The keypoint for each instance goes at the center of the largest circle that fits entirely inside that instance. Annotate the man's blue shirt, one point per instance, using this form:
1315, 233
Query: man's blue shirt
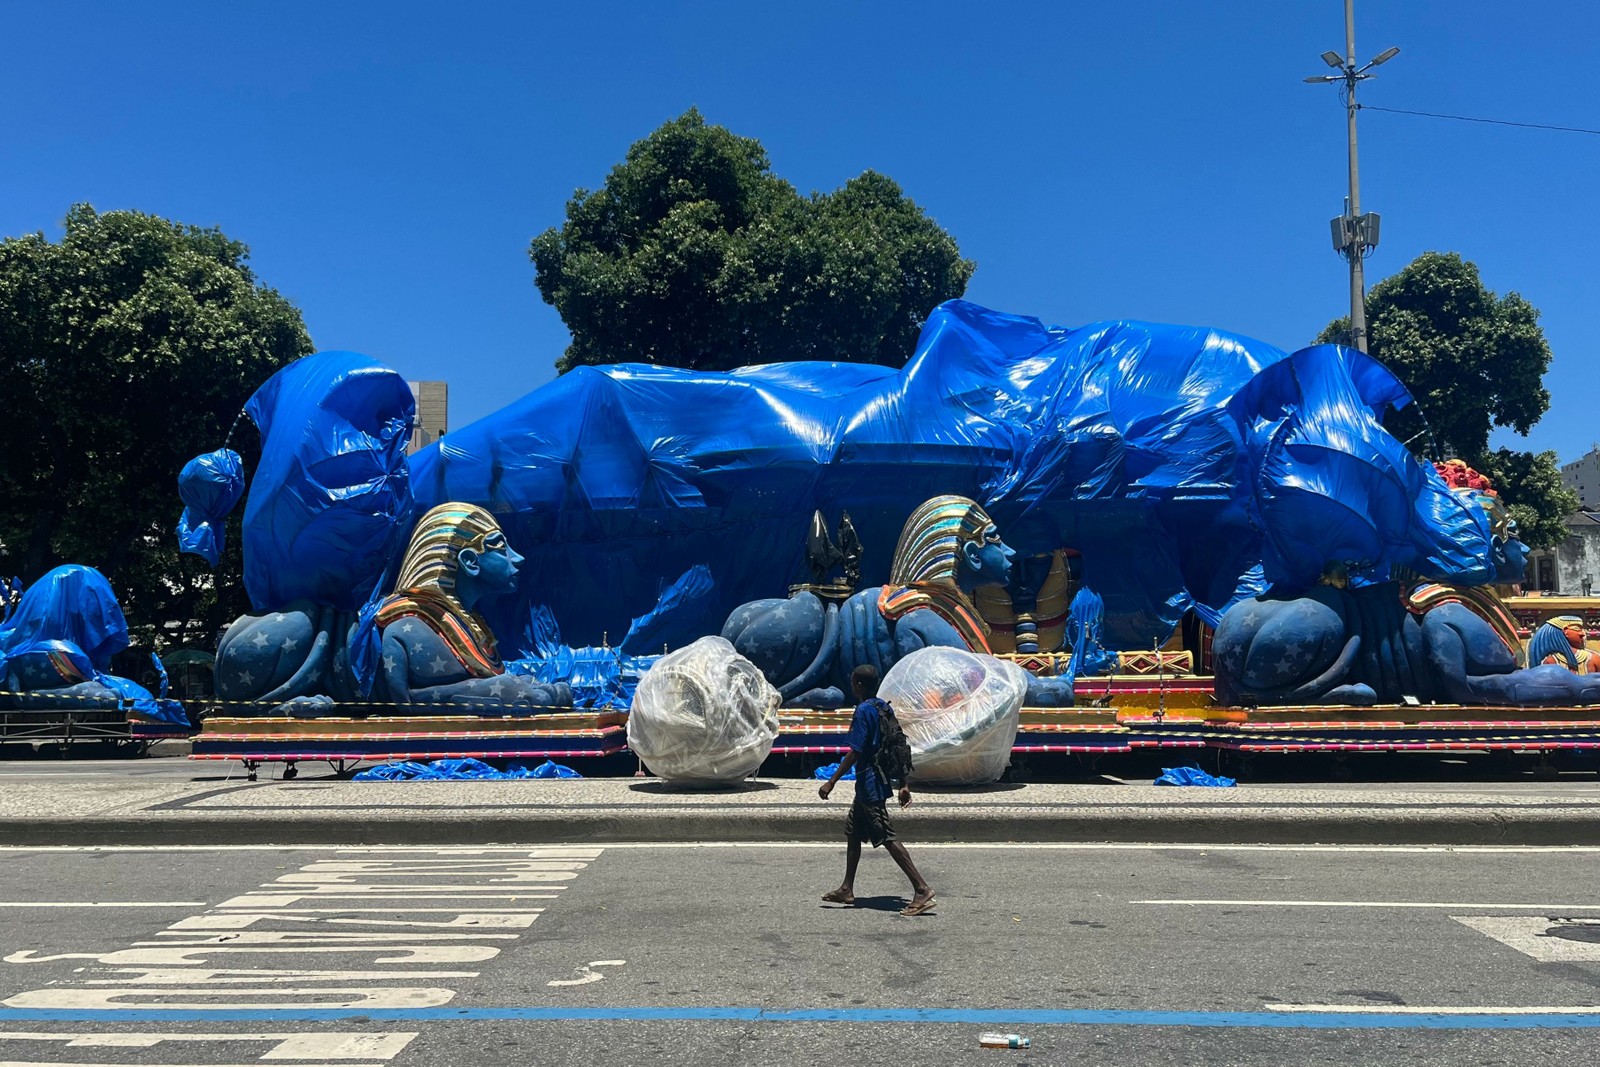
864, 739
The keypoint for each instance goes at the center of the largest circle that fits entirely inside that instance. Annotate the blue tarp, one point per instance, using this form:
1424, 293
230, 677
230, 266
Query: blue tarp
330, 505
1139, 445
1193, 776
210, 486
72, 613
1331, 484
458, 770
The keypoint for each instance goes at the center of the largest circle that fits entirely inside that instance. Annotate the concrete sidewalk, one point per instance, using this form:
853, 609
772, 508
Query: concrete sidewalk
111, 804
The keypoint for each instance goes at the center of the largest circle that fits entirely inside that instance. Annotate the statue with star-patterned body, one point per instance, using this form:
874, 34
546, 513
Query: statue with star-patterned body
422, 645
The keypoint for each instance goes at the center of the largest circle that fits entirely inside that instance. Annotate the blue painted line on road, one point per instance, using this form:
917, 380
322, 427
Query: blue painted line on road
1274, 1020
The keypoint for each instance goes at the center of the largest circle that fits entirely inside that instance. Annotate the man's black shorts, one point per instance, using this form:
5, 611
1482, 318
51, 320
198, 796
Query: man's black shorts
869, 821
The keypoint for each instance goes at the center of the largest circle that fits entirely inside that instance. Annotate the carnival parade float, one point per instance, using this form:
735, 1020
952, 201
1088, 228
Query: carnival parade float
1138, 535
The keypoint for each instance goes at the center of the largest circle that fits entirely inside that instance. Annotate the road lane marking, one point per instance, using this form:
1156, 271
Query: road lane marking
981, 846
1407, 1009
363, 998
587, 974
475, 901
1546, 938
142, 976
252, 901
239, 920
60, 1063
102, 903
1369, 904
992, 1017
326, 1045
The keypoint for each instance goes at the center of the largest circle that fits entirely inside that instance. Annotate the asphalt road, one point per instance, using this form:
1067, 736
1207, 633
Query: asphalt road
622, 955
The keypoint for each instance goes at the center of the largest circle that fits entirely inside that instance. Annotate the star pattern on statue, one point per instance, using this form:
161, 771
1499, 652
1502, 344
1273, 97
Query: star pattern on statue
280, 617
497, 688
261, 639
438, 665
388, 663
1287, 667
246, 678
289, 644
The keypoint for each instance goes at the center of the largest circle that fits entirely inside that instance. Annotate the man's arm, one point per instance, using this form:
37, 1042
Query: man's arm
838, 772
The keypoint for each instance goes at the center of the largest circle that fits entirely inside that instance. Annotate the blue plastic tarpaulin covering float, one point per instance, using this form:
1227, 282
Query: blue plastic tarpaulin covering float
1328, 483
210, 486
71, 614
1189, 467
330, 505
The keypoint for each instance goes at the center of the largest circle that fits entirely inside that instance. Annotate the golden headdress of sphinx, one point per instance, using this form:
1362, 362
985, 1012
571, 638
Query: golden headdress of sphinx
426, 588
923, 574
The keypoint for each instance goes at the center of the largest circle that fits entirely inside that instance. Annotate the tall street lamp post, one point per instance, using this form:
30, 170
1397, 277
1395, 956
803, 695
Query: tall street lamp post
1354, 235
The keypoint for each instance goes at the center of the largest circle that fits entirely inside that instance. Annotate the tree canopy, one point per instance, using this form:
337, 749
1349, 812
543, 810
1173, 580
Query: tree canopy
694, 254
1473, 361
125, 350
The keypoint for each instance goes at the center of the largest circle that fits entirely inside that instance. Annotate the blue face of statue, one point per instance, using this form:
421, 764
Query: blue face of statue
494, 570
1511, 558
498, 564
987, 562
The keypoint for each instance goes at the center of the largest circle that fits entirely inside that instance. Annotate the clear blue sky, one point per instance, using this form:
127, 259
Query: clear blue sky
388, 163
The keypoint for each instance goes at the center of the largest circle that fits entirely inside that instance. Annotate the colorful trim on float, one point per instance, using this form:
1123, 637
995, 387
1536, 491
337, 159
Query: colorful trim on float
1139, 713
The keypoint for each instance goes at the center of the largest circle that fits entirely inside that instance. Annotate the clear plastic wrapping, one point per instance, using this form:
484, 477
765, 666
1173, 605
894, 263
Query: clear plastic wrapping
703, 714
960, 712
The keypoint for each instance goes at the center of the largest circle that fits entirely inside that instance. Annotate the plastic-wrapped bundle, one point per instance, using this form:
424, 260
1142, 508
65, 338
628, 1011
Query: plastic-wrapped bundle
960, 712
703, 714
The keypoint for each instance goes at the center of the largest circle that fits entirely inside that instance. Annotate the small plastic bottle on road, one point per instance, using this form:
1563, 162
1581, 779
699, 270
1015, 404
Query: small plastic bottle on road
1003, 1041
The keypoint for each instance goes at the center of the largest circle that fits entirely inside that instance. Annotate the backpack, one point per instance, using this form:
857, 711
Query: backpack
893, 758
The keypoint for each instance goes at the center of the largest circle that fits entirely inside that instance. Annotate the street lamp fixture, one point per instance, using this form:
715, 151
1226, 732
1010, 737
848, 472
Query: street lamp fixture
1381, 58
1354, 235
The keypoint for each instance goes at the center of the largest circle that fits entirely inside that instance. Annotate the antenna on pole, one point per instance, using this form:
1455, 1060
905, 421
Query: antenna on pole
1355, 235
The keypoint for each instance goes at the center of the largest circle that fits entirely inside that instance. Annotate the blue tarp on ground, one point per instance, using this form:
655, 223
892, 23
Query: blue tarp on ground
460, 770
1193, 776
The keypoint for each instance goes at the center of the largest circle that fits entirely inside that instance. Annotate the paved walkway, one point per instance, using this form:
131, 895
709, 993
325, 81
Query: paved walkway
177, 802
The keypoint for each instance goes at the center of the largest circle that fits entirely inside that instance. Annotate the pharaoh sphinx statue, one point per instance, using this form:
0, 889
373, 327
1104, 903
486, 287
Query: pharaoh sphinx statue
1382, 643
423, 646
807, 645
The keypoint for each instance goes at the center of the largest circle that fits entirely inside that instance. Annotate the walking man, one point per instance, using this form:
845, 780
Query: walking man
869, 815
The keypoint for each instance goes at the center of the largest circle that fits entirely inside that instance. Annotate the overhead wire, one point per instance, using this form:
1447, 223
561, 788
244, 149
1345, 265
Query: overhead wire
1471, 118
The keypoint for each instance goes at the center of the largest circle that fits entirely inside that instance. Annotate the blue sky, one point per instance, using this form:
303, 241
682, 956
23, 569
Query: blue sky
389, 163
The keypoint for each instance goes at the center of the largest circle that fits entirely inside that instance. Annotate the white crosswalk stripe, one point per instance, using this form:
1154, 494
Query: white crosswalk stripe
360, 929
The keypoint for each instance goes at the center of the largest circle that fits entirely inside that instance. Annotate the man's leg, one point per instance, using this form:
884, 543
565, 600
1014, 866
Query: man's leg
846, 893
921, 894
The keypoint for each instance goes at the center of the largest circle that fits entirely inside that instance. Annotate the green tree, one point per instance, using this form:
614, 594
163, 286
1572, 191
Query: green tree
125, 350
1530, 484
694, 254
1473, 361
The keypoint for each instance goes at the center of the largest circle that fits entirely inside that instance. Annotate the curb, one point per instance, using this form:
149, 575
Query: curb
1374, 826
